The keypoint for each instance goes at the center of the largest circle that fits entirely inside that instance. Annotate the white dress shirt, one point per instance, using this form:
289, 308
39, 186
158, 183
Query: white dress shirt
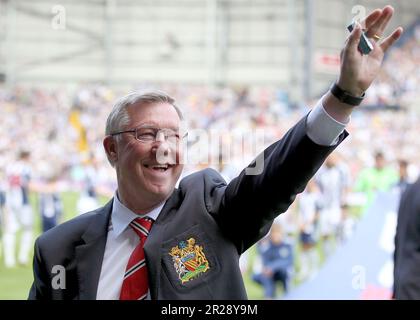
120, 243
122, 240
322, 128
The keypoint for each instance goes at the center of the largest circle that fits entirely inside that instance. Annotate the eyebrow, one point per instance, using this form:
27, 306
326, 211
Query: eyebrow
154, 125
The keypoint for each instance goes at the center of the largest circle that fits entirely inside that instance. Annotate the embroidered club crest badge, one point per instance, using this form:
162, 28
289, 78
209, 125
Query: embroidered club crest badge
189, 260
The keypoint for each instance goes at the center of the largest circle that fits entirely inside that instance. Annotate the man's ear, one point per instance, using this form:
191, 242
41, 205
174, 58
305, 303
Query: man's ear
110, 146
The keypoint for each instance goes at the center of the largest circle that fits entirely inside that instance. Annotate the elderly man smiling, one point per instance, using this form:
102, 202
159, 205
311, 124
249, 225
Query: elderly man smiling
155, 241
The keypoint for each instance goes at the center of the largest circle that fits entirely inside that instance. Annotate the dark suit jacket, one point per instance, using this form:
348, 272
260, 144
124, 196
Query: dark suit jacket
224, 220
407, 245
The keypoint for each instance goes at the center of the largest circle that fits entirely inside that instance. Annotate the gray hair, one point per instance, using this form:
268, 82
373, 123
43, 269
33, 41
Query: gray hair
118, 118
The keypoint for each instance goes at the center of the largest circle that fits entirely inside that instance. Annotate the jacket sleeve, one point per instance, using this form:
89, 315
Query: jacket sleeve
39, 289
249, 204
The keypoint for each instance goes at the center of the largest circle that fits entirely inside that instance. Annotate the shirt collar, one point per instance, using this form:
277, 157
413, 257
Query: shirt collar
121, 216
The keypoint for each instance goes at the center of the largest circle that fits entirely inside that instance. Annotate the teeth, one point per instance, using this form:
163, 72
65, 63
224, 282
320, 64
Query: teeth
160, 167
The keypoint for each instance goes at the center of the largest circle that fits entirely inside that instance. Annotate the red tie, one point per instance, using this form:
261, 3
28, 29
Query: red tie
135, 285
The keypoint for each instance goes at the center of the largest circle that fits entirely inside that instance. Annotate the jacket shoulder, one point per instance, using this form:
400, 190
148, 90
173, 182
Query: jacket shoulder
69, 232
204, 178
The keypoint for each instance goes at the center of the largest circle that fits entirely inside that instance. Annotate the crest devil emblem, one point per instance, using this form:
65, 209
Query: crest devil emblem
189, 260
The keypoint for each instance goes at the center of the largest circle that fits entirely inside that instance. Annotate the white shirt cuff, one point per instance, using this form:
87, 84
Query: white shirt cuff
322, 128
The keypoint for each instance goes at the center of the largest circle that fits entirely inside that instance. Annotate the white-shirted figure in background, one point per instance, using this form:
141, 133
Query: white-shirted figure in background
88, 199
18, 212
308, 208
330, 182
3, 188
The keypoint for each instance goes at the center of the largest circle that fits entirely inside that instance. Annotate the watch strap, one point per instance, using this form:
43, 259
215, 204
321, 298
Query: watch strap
345, 96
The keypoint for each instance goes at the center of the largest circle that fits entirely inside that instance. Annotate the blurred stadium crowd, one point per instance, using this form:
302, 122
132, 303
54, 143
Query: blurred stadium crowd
51, 142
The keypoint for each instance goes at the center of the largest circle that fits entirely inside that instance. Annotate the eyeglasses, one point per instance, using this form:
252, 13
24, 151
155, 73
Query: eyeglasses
150, 134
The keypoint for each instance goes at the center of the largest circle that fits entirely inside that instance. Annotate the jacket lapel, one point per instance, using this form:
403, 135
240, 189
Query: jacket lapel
89, 255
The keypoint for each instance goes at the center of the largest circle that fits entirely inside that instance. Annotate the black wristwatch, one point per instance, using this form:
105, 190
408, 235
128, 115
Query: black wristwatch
345, 96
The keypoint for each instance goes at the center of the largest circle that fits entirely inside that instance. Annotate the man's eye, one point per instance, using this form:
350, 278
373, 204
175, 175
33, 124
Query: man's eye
172, 135
147, 135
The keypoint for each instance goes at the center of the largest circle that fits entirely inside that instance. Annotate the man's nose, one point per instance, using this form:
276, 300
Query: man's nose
160, 141
160, 136
161, 150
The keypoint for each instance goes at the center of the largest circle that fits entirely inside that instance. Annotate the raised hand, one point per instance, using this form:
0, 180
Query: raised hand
357, 70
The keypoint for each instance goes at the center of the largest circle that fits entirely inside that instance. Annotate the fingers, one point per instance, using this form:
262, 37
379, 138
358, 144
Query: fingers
371, 19
378, 26
354, 38
389, 41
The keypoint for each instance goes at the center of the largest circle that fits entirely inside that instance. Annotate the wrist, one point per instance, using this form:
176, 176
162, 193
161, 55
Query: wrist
351, 89
338, 110
345, 96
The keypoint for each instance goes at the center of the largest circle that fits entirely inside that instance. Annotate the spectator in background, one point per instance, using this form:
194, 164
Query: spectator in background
276, 262
308, 212
403, 177
88, 198
3, 188
19, 215
346, 225
378, 178
50, 204
330, 182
